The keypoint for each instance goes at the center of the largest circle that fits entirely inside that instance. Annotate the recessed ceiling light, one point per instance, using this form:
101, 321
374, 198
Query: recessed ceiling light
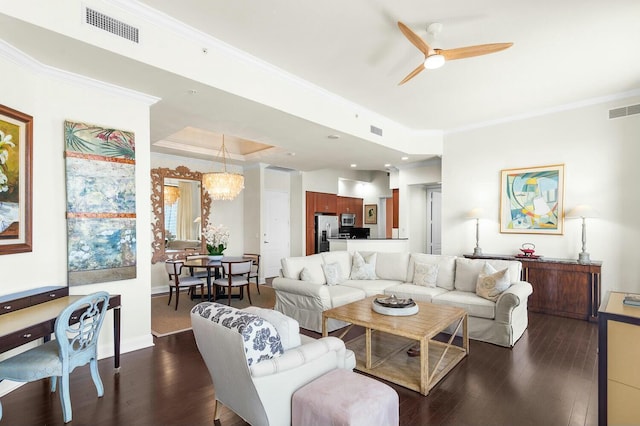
387, 165
334, 136
404, 158
291, 154
354, 165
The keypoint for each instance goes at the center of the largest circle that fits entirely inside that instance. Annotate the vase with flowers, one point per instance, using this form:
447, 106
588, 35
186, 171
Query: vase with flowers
217, 238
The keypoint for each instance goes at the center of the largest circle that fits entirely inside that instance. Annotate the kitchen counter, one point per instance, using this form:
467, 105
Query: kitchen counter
392, 245
381, 239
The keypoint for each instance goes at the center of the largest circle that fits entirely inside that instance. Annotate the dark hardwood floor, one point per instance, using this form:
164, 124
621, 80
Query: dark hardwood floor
548, 378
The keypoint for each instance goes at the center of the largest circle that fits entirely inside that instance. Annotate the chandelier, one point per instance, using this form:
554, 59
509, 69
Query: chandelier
223, 185
171, 194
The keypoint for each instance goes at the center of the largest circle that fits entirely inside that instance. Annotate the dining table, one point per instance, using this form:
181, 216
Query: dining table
213, 268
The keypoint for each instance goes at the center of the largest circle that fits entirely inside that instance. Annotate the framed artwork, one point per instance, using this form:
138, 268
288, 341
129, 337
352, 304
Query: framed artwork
370, 214
16, 145
101, 204
531, 200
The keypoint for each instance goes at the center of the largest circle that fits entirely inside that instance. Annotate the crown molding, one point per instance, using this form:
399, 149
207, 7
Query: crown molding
20, 58
546, 111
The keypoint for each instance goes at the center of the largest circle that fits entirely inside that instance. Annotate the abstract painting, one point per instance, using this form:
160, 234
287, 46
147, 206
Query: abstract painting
101, 225
16, 145
531, 200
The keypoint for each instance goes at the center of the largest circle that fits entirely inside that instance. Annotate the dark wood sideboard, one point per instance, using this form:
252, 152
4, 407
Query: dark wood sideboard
562, 287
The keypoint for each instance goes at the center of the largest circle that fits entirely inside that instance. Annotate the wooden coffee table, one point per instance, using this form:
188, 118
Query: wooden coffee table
381, 352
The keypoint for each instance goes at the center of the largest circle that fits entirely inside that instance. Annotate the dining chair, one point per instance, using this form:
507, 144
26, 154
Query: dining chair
255, 268
174, 269
76, 337
236, 274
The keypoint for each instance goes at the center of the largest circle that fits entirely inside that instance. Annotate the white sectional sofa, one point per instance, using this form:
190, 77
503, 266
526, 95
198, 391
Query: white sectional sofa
501, 322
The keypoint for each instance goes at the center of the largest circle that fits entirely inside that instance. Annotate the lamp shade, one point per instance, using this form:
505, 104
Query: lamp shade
475, 213
171, 194
582, 211
223, 185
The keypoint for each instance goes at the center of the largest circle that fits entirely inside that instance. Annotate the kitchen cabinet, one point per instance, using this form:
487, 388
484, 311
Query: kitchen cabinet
351, 205
618, 353
310, 206
342, 205
562, 287
396, 208
316, 202
326, 203
321, 202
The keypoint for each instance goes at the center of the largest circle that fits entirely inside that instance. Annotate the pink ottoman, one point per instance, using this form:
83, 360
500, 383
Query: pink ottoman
344, 398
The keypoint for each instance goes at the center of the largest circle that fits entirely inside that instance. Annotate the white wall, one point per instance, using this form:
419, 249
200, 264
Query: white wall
411, 222
417, 199
277, 180
600, 157
297, 202
253, 212
51, 100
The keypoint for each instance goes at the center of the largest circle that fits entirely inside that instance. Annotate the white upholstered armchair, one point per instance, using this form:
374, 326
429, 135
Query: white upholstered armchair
257, 359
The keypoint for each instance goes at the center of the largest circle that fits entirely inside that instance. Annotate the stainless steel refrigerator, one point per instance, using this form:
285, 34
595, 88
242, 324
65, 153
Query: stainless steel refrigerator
326, 227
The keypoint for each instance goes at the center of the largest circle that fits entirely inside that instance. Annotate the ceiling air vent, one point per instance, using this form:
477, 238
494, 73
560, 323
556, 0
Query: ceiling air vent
633, 109
112, 25
280, 169
624, 111
376, 130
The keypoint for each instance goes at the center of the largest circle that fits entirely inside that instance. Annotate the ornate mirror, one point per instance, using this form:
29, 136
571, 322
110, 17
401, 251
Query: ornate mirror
181, 208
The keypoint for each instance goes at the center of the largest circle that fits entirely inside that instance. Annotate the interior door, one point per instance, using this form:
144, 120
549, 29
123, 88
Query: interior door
275, 242
434, 219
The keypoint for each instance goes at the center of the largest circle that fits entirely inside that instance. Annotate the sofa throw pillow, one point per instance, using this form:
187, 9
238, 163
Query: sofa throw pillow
467, 271
333, 273
490, 286
307, 275
363, 269
425, 274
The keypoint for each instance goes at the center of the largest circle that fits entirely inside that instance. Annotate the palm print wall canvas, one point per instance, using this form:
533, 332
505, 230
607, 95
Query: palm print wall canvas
101, 208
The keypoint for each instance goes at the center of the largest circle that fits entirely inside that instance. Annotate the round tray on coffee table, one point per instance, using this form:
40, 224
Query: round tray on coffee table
394, 306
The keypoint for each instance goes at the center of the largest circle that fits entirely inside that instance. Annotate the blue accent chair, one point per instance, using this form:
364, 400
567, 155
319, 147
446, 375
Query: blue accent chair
76, 337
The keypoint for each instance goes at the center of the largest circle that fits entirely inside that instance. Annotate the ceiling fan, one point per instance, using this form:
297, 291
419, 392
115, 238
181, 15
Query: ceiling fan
435, 58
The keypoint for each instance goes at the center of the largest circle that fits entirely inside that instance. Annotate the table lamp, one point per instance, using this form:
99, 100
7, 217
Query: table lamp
476, 214
583, 211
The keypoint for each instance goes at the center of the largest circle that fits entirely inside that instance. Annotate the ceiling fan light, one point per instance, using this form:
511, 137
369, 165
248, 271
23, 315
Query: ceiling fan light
434, 61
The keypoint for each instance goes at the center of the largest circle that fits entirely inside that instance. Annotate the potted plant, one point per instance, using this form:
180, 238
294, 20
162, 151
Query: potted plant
217, 238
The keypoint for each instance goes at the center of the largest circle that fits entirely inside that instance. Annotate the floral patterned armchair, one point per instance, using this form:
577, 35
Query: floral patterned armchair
256, 365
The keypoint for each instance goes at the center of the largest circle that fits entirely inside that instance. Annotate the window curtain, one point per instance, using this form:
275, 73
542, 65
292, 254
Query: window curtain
184, 225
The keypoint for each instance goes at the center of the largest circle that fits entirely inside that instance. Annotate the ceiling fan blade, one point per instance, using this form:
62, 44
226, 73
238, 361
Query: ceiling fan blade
412, 74
414, 38
469, 51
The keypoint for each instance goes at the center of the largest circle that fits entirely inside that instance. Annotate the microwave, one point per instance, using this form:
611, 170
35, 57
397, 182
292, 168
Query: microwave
348, 219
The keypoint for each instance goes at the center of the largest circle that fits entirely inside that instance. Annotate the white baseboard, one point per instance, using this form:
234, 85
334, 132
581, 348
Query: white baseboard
159, 289
7, 386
